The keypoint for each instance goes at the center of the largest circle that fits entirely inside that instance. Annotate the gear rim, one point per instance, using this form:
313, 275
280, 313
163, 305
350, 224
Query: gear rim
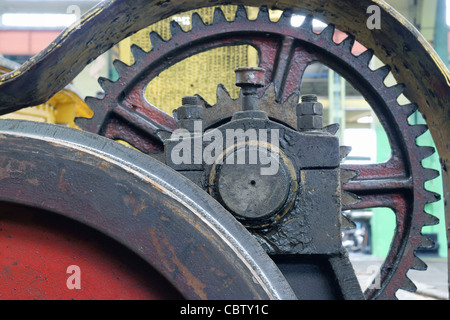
405, 111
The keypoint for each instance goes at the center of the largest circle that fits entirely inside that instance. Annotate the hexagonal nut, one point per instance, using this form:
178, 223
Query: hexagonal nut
190, 112
309, 122
191, 125
309, 108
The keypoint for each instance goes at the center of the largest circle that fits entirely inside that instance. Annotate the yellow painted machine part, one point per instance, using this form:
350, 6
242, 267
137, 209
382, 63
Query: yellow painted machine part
61, 109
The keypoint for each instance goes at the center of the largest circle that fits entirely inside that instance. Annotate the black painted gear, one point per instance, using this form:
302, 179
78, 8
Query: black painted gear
399, 183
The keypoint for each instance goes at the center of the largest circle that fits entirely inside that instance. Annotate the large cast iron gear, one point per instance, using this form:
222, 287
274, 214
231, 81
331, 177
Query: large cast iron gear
426, 81
285, 52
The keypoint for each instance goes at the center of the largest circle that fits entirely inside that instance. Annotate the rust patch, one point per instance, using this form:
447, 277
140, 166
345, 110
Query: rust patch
4, 173
164, 218
34, 182
11, 168
64, 185
138, 206
172, 263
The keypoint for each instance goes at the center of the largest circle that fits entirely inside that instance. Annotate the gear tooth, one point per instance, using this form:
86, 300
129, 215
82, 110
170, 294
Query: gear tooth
105, 83
219, 16
332, 128
93, 103
408, 285
202, 101
419, 129
432, 197
175, 28
347, 43
344, 151
426, 152
222, 93
241, 13
430, 220
409, 109
349, 198
430, 174
426, 243
84, 123
328, 32
383, 71
96, 105
197, 20
308, 23
137, 52
398, 89
347, 223
121, 67
347, 175
286, 17
263, 14
293, 99
155, 39
418, 264
270, 91
366, 57
93, 124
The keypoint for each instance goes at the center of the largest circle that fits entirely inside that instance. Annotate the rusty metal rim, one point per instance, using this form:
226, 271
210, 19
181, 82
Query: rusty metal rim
202, 209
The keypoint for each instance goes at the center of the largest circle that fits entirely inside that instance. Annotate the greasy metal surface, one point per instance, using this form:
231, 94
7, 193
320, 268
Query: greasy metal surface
180, 231
402, 176
294, 211
247, 193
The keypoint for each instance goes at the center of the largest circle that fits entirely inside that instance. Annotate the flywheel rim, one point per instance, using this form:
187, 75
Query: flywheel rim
257, 275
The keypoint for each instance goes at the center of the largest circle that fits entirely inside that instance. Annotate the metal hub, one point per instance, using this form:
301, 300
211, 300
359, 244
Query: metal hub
247, 193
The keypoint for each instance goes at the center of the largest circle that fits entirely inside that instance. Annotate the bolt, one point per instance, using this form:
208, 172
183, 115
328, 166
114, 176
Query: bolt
309, 98
249, 79
190, 101
309, 113
190, 112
